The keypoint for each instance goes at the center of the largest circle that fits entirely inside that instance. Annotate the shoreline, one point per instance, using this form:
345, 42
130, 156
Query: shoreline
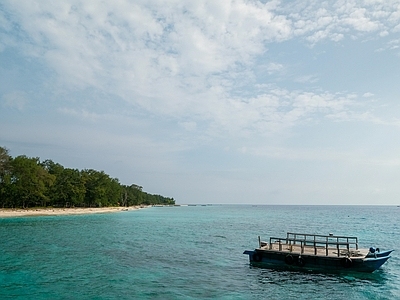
19, 212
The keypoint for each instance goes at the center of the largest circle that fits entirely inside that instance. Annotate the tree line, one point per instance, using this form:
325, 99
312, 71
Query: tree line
28, 182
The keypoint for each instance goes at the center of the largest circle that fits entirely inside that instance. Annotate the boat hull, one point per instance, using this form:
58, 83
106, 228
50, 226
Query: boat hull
278, 259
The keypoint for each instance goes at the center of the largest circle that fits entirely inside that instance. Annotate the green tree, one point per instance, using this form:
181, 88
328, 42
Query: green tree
5, 160
114, 190
74, 187
101, 189
5, 176
29, 182
134, 195
26, 182
68, 189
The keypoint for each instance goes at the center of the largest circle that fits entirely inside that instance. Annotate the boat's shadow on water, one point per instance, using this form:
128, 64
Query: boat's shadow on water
287, 284
284, 276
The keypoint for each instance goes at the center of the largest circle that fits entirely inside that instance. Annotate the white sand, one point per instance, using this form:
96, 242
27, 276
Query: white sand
7, 212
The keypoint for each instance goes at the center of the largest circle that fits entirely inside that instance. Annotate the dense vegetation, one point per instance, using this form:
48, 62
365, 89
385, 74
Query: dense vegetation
28, 182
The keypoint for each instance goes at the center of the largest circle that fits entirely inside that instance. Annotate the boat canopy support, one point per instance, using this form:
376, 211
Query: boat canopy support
316, 241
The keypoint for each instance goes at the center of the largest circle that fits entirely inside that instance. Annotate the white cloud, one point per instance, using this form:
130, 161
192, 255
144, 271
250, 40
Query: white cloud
134, 47
368, 95
189, 126
358, 20
16, 99
334, 20
80, 114
183, 58
274, 67
275, 111
307, 79
186, 60
393, 44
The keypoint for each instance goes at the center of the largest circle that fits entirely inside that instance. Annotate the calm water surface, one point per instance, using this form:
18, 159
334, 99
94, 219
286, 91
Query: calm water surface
192, 252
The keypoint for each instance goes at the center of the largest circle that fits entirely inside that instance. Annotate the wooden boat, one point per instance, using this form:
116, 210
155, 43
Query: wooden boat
317, 252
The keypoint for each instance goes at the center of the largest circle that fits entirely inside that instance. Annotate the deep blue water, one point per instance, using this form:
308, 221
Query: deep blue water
192, 252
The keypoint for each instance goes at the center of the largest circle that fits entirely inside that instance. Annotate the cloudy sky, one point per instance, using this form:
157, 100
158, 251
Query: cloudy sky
246, 101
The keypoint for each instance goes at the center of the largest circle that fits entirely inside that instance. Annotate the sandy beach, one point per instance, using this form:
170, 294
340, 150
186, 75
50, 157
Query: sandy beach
18, 212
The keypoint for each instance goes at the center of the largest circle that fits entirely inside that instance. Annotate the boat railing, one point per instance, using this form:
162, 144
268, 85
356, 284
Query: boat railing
317, 242
351, 240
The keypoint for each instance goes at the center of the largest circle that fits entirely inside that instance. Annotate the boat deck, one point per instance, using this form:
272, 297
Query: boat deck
311, 250
313, 244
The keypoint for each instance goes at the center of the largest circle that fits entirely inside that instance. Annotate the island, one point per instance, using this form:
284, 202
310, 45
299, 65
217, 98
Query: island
29, 184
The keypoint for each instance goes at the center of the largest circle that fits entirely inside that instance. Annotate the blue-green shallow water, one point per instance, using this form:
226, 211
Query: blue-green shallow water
187, 253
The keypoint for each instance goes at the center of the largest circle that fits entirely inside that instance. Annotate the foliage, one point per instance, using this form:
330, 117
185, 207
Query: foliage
27, 182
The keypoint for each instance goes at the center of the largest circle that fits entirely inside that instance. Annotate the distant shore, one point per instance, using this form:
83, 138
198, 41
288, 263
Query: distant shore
19, 212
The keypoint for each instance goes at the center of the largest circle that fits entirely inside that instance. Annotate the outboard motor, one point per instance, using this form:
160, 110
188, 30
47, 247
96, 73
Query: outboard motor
372, 252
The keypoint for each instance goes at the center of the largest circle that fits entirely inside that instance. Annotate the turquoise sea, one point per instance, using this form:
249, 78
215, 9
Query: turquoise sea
187, 252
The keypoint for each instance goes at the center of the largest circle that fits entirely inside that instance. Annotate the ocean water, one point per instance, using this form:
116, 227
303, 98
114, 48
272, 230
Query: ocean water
190, 252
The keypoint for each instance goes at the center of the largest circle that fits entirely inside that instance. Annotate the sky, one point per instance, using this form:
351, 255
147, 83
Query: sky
211, 102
